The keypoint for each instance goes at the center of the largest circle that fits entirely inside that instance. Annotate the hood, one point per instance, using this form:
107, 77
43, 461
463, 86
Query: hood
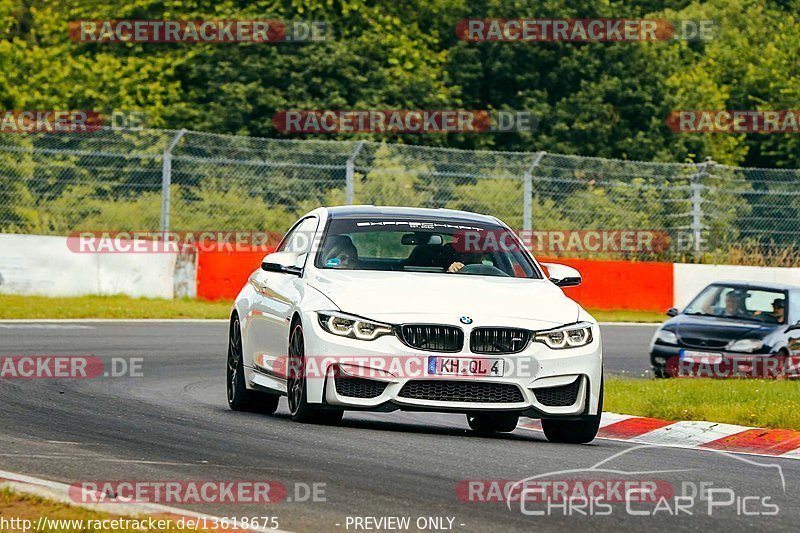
402, 297
718, 331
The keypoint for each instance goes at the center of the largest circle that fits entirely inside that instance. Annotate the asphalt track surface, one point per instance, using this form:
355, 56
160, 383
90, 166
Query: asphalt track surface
173, 423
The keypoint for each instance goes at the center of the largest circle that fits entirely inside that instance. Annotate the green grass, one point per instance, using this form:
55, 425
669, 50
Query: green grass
13, 306
15, 505
627, 316
747, 402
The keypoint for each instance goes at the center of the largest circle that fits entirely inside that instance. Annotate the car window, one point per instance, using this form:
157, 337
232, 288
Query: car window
740, 303
434, 246
300, 238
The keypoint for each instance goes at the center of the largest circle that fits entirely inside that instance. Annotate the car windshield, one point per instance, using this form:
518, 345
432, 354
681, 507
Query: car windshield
740, 303
424, 245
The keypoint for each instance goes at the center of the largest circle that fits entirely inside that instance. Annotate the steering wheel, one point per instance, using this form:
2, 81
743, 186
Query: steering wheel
482, 270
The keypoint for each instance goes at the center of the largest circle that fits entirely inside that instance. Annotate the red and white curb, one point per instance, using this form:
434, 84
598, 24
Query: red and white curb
59, 492
784, 443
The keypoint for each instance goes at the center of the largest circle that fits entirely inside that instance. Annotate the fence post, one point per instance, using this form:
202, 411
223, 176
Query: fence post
527, 191
697, 208
349, 177
166, 179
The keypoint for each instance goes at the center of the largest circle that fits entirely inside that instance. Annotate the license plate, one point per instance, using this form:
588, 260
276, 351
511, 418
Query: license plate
705, 358
465, 366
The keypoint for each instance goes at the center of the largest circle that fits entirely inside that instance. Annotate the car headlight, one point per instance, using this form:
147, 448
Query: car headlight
352, 326
745, 345
666, 336
571, 336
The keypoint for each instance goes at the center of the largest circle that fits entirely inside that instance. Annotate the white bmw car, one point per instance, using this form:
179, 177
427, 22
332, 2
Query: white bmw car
385, 308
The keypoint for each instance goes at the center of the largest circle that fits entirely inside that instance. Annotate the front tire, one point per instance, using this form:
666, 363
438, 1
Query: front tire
240, 398
493, 422
297, 388
574, 431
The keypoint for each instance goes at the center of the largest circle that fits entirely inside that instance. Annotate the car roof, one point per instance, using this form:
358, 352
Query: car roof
354, 211
759, 285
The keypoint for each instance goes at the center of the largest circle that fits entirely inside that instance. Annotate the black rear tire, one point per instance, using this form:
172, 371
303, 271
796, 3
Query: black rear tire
574, 431
240, 398
493, 422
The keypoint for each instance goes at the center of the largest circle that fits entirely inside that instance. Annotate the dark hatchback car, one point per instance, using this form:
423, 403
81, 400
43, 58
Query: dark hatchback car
732, 329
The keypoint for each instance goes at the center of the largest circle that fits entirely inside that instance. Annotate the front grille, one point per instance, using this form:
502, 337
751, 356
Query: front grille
498, 340
697, 342
562, 396
353, 387
461, 391
433, 337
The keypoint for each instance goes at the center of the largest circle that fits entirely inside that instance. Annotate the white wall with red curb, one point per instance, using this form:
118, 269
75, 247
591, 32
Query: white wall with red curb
784, 443
690, 279
46, 266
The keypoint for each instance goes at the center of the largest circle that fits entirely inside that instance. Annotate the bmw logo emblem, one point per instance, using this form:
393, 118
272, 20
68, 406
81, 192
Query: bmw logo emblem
465, 320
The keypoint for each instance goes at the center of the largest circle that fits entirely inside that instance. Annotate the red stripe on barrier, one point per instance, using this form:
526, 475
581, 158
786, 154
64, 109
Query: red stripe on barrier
764, 441
621, 284
647, 286
632, 428
222, 274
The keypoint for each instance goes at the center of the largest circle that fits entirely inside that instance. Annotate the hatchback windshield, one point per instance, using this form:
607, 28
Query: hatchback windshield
740, 303
415, 245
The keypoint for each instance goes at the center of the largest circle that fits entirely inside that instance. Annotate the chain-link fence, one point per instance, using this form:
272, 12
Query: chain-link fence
152, 180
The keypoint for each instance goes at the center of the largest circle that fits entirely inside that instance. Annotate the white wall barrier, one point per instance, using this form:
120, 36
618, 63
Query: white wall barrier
690, 279
46, 266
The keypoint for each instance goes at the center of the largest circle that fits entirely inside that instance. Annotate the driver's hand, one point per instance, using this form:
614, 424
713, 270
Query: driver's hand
455, 267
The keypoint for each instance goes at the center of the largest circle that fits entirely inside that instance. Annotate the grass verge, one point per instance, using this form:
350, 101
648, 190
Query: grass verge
15, 508
627, 316
747, 402
13, 306
32, 307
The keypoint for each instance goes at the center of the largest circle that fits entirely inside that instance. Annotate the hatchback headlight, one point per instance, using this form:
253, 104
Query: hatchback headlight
666, 337
571, 336
352, 326
745, 345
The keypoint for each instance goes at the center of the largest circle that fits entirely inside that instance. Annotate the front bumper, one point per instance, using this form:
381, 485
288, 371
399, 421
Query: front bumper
668, 361
538, 382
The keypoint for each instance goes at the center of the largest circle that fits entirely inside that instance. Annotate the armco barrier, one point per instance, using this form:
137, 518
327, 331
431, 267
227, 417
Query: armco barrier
611, 285
49, 266
222, 274
607, 284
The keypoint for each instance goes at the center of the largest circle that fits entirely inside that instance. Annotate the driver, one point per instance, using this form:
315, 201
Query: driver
733, 305
340, 253
467, 259
779, 309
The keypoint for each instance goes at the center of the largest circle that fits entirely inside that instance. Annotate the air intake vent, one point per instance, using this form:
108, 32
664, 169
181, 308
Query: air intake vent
498, 340
562, 396
433, 337
353, 387
461, 391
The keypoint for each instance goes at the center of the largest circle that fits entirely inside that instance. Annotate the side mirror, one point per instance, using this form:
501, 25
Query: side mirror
284, 262
672, 311
562, 275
